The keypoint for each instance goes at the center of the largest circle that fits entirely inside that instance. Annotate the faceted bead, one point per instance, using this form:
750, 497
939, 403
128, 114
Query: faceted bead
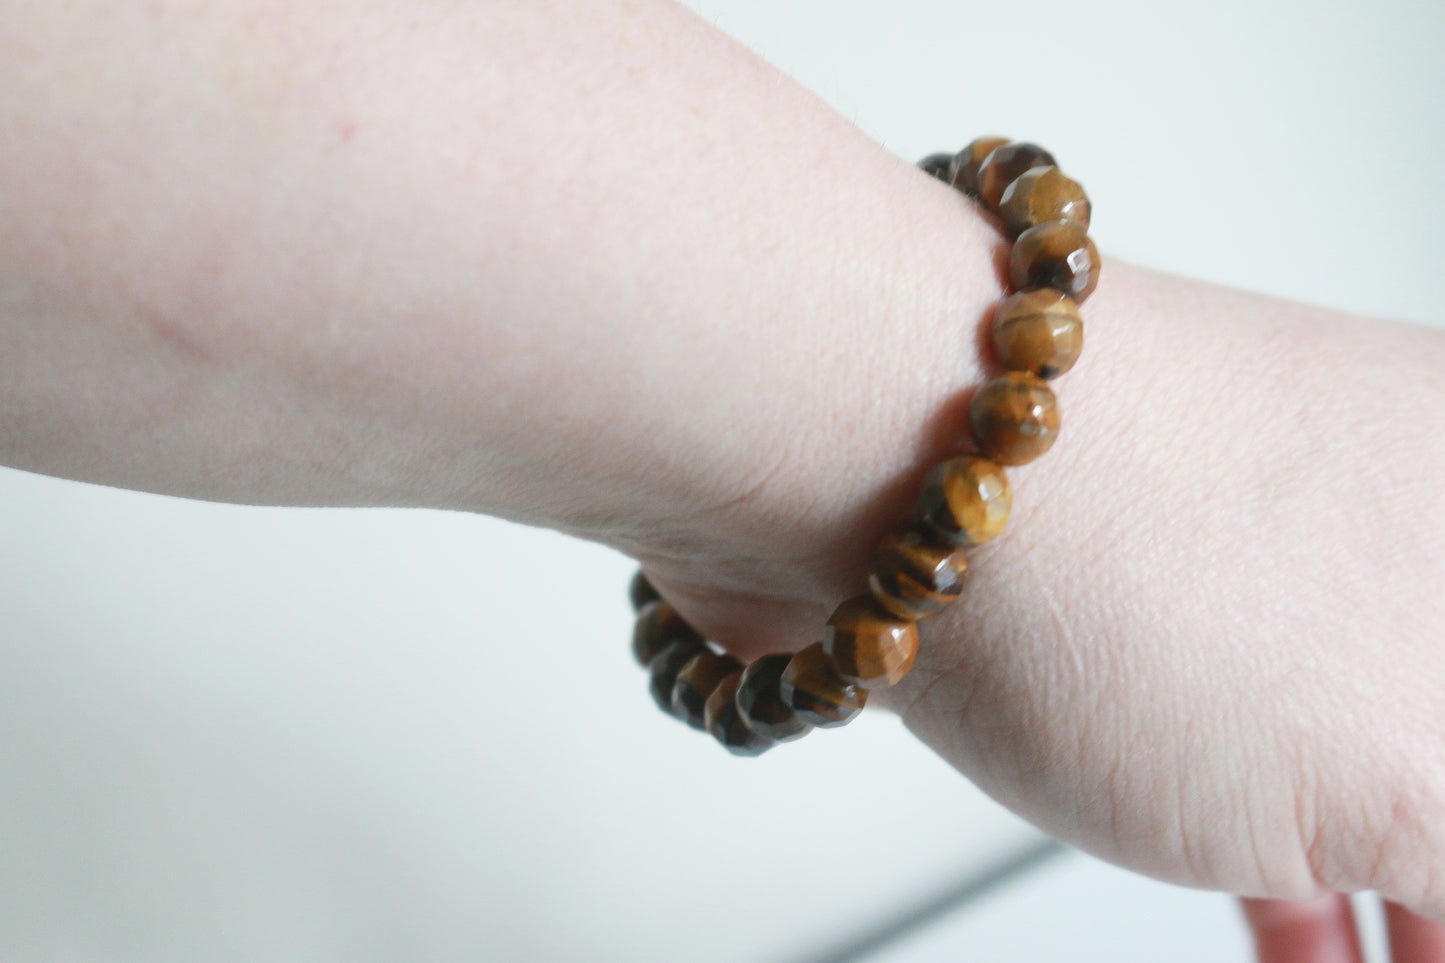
1057, 255
811, 686
658, 626
1006, 163
966, 500
963, 171
724, 723
936, 165
1039, 195
1015, 418
641, 591
916, 573
695, 683
869, 645
665, 667
1038, 331
762, 705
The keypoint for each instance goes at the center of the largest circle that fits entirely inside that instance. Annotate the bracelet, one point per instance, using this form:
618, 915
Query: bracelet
871, 640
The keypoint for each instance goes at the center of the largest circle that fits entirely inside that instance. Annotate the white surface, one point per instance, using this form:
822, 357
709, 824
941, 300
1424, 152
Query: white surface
1076, 907
1079, 908
1285, 146
238, 734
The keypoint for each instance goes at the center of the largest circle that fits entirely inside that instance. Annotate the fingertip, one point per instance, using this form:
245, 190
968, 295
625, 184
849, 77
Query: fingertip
1413, 938
1304, 931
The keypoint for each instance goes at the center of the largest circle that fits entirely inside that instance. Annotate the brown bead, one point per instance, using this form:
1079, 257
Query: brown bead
695, 683
936, 165
966, 500
811, 686
1015, 418
724, 723
658, 626
641, 591
1039, 195
1038, 331
1006, 163
963, 169
916, 573
1055, 255
664, 668
762, 705
869, 645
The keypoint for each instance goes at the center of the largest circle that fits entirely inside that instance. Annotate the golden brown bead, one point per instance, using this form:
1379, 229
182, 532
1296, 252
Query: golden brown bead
915, 573
1038, 331
966, 500
1055, 255
641, 591
724, 723
761, 703
1004, 164
811, 686
658, 626
963, 168
1015, 418
869, 645
936, 165
663, 670
695, 682
1039, 195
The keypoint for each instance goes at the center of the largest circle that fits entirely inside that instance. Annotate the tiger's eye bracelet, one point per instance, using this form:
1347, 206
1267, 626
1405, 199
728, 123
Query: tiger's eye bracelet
871, 640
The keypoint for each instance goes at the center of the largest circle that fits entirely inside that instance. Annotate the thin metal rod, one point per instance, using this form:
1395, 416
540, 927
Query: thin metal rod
949, 900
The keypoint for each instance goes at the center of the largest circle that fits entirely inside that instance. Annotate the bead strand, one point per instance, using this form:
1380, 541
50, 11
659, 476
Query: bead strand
871, 639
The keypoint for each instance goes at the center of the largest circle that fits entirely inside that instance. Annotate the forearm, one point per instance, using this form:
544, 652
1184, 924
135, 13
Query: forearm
598, 274
595, 268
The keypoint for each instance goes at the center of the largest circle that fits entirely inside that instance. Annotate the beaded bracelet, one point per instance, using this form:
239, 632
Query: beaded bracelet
871, 639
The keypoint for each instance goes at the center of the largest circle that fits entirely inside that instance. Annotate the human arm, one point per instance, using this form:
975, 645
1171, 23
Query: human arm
457, 312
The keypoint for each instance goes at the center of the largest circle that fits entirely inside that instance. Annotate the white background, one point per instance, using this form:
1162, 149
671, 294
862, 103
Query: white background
232, 733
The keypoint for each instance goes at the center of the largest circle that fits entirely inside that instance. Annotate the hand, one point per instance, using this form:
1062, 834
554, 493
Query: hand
1196, 653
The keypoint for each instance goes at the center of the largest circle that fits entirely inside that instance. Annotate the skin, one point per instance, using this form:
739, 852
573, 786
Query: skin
242, 263
1322, 930
1309, 931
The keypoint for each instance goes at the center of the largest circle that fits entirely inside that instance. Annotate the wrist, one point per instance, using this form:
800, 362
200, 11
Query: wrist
863, 384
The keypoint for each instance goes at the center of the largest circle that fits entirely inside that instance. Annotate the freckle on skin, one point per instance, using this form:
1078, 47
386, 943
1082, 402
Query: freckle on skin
168, 330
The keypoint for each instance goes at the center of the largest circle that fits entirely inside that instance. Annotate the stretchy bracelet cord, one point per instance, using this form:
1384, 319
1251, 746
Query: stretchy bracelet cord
871, 640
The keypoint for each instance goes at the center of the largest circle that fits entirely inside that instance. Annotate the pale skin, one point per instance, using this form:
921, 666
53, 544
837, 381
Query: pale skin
598, 268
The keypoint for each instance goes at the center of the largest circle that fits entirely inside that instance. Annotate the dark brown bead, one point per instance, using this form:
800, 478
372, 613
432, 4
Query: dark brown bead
1006, 163
915, 573
936, 165
641, 591
1015, 418
811, 686
696, 681
966, 500
664, 669
1038, 331
1042, 194
762, 705
963, 170
724, 723
1055, 255
658, 626
869, 645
